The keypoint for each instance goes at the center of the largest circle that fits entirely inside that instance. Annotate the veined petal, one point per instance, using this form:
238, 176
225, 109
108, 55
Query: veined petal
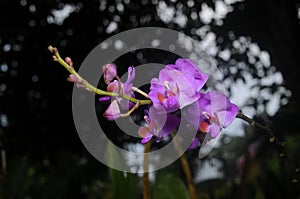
182, 83
164, 75
204, 103
229, 115
214, 130
218, 101
171, 123
215, 102
191, 69
185, 100
189, 66
158, 117
171, 103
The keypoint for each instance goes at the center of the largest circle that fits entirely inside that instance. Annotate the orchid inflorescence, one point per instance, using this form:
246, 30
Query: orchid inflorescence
178, 88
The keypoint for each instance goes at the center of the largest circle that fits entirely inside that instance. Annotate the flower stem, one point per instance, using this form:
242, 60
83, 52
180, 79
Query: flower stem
146, 186
131, 110
272, 139
83, 82
135, 89
186, 168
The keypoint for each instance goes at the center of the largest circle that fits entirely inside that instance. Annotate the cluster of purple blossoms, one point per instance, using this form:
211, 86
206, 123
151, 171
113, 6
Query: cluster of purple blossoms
178, 87
117, 103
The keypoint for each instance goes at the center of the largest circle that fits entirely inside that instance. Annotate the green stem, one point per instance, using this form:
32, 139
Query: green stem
135, 89
272, 139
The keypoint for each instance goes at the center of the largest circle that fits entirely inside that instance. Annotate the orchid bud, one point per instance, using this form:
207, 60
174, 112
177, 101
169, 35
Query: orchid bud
109, 72
113, 86
68, 60
72, 78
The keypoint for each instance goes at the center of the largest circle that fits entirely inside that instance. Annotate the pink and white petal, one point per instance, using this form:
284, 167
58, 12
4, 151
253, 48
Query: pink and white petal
113, 111
143, 131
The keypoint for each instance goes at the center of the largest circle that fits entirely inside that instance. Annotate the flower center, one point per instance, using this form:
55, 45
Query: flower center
203, 126
215, 119
166, 84
161, 97
211, 117
206, 115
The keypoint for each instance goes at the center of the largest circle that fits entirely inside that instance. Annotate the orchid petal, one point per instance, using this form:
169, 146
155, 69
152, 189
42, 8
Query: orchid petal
194, 143
113, 111
104, 99
147, 138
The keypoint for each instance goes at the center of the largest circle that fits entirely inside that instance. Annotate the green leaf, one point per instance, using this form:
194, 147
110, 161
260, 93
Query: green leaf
124, 185
169, 186
13, 184
112, 156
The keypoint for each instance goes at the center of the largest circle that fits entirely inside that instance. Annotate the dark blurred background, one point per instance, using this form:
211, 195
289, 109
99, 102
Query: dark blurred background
256, 46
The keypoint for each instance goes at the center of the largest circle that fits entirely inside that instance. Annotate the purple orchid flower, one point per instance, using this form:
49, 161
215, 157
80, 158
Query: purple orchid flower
118, 101
177, 85
126, 87
216, 112
164, 92
158, 125
190, 71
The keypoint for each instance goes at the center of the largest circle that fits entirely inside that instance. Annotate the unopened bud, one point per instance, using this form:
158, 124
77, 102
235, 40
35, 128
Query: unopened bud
54, 58
109, 72
68, 60
72, 78
52, 49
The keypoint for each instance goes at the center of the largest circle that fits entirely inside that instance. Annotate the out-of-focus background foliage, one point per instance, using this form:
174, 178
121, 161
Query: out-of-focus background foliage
256, 46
